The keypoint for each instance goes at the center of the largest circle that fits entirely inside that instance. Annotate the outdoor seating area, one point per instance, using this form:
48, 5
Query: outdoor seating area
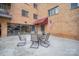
58, 47
39, 29
36, 40
40, 39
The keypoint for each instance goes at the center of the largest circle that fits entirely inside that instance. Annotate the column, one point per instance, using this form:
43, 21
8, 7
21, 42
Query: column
3, 29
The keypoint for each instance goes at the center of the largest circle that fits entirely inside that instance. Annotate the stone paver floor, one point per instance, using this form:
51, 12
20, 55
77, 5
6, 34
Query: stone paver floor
58, 47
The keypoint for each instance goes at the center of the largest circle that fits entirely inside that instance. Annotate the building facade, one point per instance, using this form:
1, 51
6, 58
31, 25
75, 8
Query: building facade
17, 18
62, 19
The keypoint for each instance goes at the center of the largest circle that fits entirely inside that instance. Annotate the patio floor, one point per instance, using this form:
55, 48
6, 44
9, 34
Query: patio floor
58, 47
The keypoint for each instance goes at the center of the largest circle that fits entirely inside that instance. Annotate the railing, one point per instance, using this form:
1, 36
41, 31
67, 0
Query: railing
4, 10
4, 13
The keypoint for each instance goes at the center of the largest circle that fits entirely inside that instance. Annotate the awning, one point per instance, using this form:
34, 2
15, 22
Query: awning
41, 21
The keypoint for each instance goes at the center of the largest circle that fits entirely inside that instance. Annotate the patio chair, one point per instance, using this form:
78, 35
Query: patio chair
35, 41
19, 35
47, 37
44, 40
22, 41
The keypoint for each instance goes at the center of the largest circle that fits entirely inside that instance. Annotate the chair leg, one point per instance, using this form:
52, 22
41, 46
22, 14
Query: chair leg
33, 44
43, 43
21, 44
38, 43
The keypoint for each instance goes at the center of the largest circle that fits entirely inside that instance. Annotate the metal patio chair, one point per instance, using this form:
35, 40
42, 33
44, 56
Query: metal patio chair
44, 40
22, 41
35, 41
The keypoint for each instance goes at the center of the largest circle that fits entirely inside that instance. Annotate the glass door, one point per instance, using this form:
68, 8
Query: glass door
0, 30
42, 28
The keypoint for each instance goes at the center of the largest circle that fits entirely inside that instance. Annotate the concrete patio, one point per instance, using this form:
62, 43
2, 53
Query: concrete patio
58, 47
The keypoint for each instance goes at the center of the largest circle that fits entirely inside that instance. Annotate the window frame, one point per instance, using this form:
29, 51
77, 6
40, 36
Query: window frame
35, 5
24, 13
53, 11
74, 7
35, 16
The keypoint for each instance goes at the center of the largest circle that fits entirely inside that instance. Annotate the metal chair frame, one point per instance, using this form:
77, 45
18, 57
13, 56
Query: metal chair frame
22, 41
34, 41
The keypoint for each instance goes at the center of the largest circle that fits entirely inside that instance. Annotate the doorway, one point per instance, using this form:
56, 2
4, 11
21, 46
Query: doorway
42, 28
0, 30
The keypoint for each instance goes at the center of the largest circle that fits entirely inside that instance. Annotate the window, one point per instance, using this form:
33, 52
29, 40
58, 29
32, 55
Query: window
33, 28
74, 5
5, 5
53, 11
78, 4
35, 5
35, 16
24, 13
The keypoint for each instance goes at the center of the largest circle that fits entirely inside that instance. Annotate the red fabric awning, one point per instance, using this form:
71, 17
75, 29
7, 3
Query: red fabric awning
41, 21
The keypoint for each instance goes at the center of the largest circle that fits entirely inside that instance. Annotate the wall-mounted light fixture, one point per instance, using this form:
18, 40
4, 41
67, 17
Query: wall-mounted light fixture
25, 22
50, 21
